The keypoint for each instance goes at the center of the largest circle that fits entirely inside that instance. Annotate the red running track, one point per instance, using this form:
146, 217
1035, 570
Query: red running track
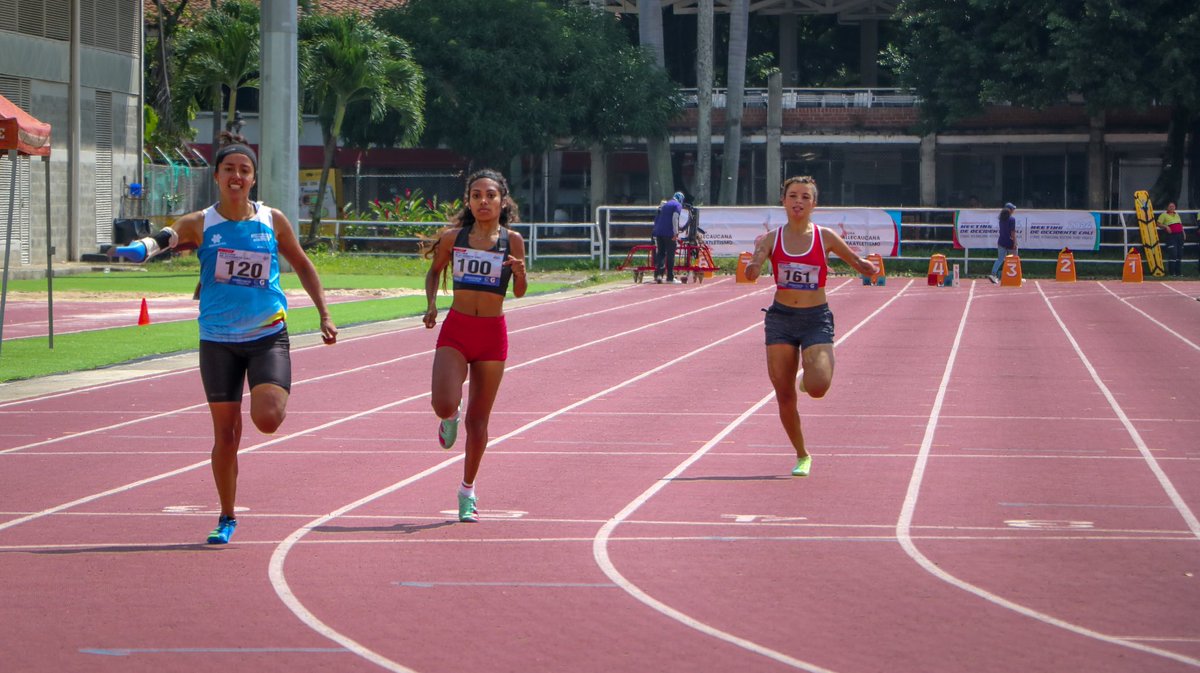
1005, 479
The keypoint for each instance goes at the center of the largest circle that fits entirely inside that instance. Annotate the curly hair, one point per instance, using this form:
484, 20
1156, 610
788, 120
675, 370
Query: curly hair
509, 212
508, 207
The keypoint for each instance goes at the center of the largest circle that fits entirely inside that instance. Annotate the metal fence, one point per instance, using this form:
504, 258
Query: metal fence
554, 240
922, 232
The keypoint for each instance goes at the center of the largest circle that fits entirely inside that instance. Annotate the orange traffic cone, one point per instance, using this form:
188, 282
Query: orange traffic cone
144, 316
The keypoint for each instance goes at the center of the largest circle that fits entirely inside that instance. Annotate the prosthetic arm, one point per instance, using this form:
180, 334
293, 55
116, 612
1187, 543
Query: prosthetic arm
145, 248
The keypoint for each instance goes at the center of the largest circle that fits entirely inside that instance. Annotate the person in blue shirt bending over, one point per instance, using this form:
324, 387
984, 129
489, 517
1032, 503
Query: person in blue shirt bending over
665, 233
243, 311
1006, 241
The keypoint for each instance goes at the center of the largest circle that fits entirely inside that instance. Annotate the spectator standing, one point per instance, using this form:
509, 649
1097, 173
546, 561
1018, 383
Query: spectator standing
1006, 241
1170, 222
665, 233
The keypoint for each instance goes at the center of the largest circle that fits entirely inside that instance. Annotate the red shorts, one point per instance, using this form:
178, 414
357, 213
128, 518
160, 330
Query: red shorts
479, 339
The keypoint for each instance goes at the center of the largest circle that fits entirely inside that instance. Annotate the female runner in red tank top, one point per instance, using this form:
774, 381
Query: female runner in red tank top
484, 256
799, 325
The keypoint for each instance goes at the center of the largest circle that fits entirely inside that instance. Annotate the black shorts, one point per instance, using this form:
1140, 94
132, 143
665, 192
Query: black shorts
225, 367
799, 327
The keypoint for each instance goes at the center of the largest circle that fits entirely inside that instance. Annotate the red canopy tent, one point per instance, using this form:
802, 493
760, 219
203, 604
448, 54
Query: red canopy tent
22, 133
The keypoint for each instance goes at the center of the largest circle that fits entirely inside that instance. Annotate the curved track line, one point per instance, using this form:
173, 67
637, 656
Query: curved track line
182, 370
904, 524
276, 571
342, 372
187, 468
600, 542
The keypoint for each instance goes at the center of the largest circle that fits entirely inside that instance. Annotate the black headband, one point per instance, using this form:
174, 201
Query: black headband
236, 149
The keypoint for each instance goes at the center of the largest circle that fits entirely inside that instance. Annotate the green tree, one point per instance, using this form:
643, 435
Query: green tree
492, 75
345, 62
962, 56
162, 26
219, 54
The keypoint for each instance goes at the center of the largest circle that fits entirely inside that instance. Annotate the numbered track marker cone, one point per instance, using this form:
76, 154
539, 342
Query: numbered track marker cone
743, 261
937, 269
1132, 270
1064, 271
1010, 274
879, 278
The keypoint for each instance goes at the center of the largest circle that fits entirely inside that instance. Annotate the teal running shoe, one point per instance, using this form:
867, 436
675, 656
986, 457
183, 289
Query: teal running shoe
448, 430
803, 466
223, 531
467, 512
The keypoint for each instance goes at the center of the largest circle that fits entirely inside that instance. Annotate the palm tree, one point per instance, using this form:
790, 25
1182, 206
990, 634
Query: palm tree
658, 147
345, 60
704, 81
221, 52
739, 19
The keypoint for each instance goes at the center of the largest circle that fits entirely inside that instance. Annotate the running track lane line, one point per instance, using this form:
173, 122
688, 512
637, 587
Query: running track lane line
84, 433
600, 542
183, 370
904, 524
301, 433
1125, 301
279, 557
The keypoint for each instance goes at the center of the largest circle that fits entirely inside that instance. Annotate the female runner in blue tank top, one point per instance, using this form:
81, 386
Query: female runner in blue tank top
243, 311
799, 325
483, 256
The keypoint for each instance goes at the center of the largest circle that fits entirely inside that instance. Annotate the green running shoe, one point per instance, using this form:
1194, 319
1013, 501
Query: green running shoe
448, 430
803, 466
467, 512
223, 531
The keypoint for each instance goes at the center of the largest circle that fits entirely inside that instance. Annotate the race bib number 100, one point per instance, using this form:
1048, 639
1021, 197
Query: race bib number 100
242, 267
794, 276
478, 267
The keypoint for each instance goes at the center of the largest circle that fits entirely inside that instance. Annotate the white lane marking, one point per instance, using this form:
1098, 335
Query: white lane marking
904, 524
279, 556
1125, 301
282, 438
600, 544
417, 327
142, 419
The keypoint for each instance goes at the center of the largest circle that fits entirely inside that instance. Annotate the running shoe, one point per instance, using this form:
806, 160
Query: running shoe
448, 430
467, 512
803, 466
223, 531
994, 279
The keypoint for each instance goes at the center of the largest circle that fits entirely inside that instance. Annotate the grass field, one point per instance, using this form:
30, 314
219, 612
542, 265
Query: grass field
32, 357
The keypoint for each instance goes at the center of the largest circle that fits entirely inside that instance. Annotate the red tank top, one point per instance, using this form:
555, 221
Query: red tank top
805, 271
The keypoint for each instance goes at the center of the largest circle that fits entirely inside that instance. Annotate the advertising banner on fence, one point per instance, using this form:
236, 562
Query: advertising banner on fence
729, 231
1036, 229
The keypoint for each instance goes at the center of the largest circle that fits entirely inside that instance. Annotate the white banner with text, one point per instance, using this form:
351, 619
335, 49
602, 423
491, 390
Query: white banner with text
1036, 229
733, 230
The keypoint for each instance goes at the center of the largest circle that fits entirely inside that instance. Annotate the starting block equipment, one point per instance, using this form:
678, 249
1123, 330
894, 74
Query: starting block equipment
879, 278
1064, 271
1131, 272
1010, 273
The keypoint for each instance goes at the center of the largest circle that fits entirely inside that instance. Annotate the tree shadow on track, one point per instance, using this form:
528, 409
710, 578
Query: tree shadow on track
764, 477
119, 549
402, 528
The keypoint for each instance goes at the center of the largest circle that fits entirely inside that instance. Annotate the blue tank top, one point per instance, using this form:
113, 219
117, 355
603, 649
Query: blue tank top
240, 297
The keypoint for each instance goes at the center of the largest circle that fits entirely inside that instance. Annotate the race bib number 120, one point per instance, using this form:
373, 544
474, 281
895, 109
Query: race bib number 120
242, 267
478, 267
